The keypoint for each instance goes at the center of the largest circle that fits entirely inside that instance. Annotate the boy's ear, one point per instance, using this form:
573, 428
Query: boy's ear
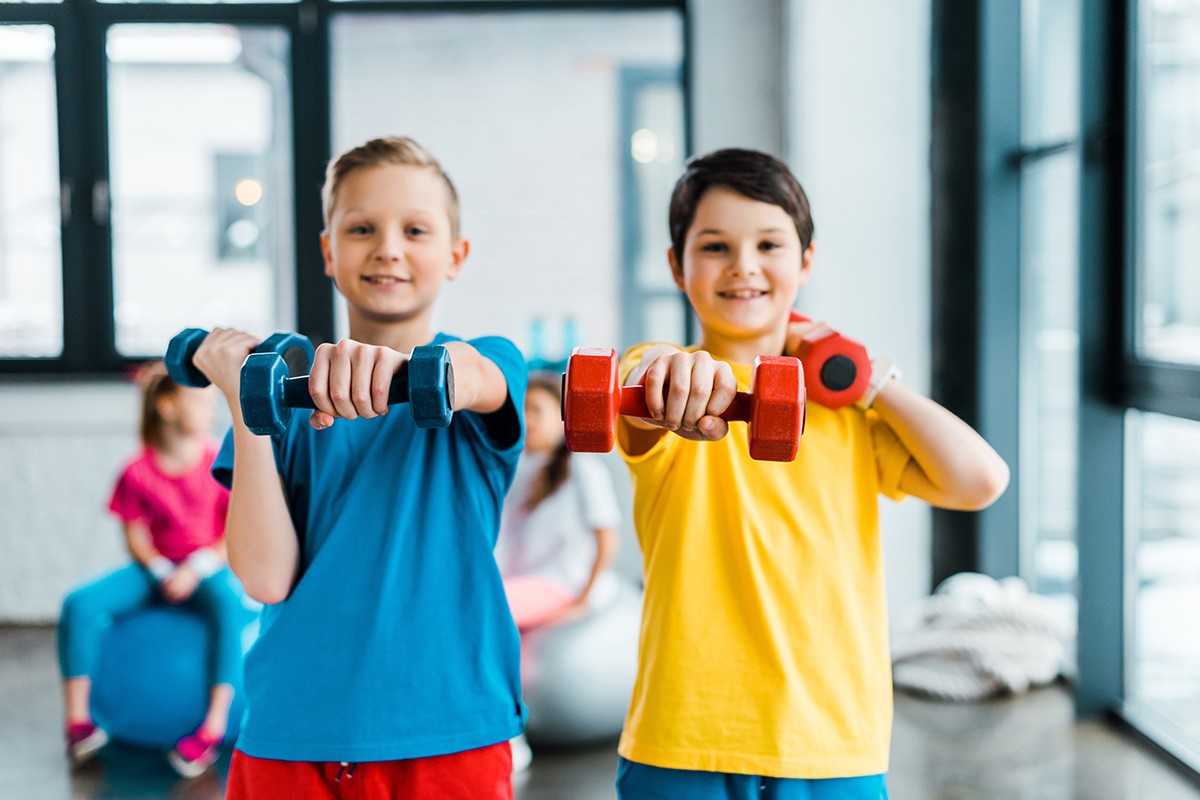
459, 249
327, 254
806, 262
676, 269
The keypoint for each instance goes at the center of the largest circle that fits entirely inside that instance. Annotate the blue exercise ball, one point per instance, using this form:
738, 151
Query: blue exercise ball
153, 676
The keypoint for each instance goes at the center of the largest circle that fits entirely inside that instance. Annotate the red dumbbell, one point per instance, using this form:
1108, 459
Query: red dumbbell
593, 399
836, 369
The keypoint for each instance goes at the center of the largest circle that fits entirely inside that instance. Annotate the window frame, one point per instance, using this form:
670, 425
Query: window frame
80, 28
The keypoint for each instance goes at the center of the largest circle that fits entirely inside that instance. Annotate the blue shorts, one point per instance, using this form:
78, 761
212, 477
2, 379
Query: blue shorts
642, 782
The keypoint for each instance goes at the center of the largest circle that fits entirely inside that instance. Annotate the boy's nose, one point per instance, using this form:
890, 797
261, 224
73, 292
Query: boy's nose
389, 249
744, 262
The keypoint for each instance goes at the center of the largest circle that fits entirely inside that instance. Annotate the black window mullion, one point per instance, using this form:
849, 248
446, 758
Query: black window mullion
312, 121
88, 327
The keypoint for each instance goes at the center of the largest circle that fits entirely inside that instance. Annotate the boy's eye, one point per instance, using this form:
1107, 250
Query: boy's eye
359, 230
713, 247
415, 230
769, 245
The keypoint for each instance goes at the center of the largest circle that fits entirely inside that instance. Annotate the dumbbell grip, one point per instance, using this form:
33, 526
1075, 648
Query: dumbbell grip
295, 391
633, 404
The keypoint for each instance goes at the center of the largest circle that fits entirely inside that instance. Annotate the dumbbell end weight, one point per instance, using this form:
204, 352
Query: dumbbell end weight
591, 400
431, 386
262, 393
178, 358
777, 409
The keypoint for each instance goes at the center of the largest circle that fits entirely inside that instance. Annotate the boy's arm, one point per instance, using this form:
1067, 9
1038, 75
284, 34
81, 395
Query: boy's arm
684, 391
261, 540
952, 466
479, 385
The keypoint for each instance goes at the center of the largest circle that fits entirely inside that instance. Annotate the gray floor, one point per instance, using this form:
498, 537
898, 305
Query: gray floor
1025, 748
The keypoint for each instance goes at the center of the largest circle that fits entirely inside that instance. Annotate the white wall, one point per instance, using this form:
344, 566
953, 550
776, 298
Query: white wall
850, 112
858, 138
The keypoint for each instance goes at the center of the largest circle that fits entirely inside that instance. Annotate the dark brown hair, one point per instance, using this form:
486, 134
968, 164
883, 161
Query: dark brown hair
387, 150
554, 474
750, 173
155, 385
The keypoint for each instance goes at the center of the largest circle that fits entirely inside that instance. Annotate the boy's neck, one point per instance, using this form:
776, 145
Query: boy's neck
400, 336
742, 351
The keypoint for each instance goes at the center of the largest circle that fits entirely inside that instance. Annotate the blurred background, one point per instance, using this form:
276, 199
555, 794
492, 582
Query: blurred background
1006, 196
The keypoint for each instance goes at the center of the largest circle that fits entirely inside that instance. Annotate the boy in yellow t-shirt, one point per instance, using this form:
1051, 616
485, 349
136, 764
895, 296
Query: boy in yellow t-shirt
764, 665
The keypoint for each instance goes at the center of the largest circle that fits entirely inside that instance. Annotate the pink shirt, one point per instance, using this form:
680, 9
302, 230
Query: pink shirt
183, 512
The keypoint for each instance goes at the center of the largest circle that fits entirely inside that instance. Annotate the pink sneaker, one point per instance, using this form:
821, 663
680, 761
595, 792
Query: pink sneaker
195, 753
84, 740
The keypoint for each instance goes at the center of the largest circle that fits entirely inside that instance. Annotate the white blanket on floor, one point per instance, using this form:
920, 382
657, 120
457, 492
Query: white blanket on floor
977, 637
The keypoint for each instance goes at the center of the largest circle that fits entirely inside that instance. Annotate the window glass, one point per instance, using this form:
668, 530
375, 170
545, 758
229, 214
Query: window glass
1049, 302
31, 198
200, 166
524, 111
1167, 180
1164, 499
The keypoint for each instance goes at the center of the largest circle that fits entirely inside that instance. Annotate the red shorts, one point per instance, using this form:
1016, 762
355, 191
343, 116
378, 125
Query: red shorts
482, 774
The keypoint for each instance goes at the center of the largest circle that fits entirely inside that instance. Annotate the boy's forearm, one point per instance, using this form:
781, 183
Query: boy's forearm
961, 468
259, 535
479, 385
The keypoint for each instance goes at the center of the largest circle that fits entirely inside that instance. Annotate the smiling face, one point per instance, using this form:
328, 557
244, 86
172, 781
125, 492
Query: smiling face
742, 264
389, 244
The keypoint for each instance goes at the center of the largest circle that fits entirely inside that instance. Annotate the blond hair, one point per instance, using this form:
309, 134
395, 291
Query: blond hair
386, 150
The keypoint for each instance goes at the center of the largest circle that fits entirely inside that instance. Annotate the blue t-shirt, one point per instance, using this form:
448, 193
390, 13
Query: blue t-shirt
396, 641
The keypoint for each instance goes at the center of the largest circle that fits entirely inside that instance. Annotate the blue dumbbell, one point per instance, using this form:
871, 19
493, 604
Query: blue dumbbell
425, 382
296, 350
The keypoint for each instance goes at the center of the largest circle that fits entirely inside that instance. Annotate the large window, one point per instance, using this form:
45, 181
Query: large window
160, 165
200, 180
1162, 492
1167, 179
1049, 167
1164, 646
562, 132
31, 200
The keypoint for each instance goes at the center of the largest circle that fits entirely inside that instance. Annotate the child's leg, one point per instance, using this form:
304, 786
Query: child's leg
866, 787
86, 612
481, 774
265, 779
643, 782
218, 598
534, 601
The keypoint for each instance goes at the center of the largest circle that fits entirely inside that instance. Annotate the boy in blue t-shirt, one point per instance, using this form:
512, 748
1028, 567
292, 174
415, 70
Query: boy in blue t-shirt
387, 663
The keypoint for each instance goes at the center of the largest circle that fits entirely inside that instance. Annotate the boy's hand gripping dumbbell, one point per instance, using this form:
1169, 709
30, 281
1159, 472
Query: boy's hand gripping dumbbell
837, 369
425, 381
296, 350
593, 399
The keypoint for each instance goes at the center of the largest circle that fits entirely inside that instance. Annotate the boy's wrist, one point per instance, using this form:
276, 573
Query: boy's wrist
883, 369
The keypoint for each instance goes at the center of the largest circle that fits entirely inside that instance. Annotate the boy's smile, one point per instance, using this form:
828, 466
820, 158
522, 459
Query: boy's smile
742, 266
388, 246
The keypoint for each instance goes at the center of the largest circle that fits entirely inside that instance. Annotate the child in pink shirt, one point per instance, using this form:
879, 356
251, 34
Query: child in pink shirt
174, 518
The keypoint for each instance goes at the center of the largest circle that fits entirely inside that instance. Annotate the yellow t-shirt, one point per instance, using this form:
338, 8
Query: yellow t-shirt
764, 646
